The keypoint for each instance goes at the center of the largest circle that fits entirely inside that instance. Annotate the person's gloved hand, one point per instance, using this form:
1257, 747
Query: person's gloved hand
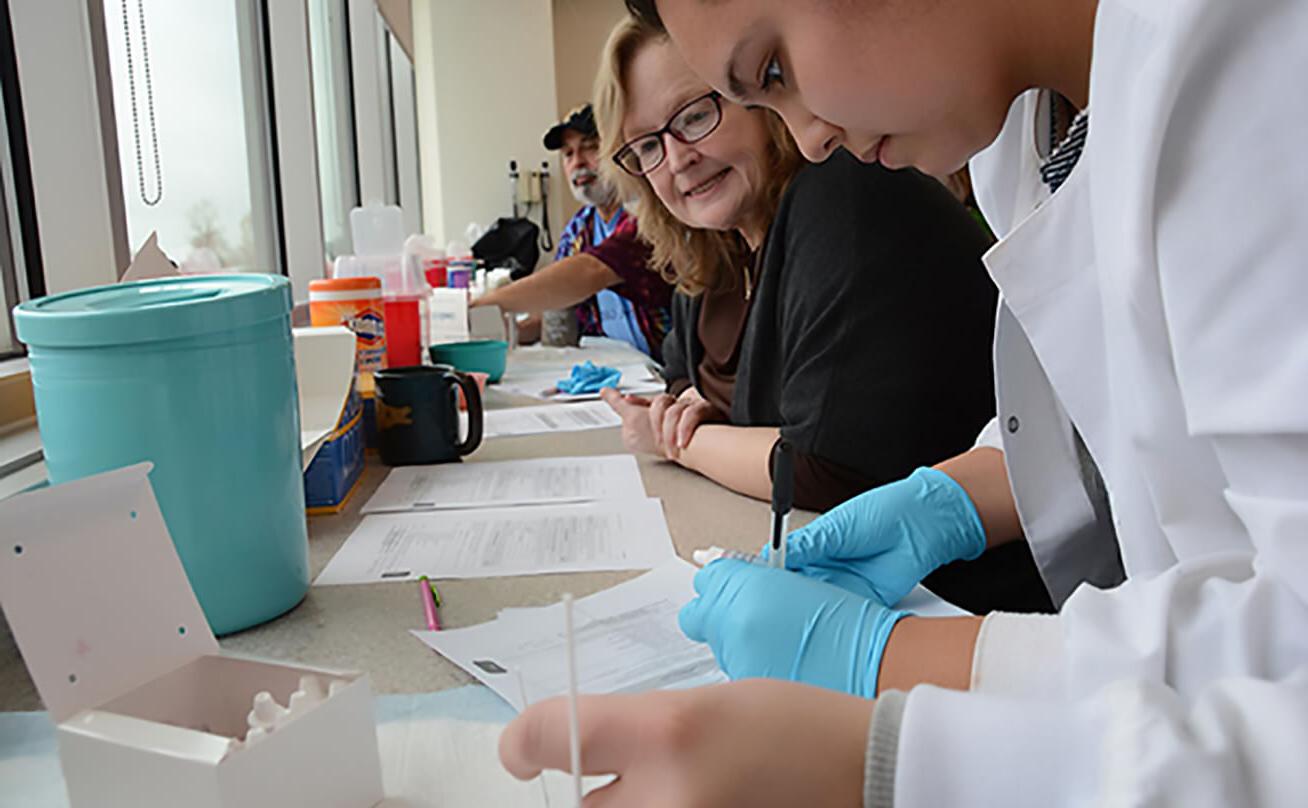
883, 542
772, 623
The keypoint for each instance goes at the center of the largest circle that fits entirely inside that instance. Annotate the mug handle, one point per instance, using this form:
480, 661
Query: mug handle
471, 394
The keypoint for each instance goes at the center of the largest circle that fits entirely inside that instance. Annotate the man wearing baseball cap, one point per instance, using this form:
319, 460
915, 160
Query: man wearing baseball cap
601, 265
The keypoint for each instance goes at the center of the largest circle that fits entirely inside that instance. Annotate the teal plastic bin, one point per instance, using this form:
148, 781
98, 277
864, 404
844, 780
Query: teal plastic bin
196, 375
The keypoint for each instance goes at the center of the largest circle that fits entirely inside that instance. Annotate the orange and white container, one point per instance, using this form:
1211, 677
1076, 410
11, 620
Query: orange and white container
355, 303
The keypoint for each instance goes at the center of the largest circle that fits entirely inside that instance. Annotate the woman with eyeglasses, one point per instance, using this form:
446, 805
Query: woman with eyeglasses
812, 297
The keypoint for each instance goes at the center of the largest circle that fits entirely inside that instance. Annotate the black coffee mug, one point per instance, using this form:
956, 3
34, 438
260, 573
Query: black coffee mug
418, 414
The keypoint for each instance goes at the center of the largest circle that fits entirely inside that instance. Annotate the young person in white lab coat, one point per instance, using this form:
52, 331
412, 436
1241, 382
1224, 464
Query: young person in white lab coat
1152, 327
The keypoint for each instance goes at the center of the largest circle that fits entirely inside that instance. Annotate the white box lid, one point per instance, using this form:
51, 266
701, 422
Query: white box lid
94, 591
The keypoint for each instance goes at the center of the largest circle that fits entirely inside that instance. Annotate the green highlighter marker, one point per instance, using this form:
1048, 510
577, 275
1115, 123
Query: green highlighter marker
435, 593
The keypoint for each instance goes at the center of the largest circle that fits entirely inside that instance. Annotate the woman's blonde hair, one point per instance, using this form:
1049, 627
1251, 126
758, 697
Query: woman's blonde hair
694, 259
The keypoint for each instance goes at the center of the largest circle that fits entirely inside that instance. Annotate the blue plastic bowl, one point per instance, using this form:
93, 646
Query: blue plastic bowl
480, 355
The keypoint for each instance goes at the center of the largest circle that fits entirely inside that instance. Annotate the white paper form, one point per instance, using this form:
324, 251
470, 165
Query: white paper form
509, 482
484, 542
636, 380
628, 641
548, 418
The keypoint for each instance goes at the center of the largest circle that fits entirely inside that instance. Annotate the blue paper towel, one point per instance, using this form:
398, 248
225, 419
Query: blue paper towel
589, 378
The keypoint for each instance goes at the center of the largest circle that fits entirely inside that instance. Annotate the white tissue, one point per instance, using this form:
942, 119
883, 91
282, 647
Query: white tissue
705, 557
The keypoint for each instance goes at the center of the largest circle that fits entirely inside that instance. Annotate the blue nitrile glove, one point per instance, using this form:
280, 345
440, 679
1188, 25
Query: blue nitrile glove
774, 623
883, 542
589, 378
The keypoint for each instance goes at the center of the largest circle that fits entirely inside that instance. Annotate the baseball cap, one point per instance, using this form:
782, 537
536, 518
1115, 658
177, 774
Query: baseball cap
581, 119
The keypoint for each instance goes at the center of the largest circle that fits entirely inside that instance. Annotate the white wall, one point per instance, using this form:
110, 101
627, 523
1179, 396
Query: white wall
484, 74
581, 27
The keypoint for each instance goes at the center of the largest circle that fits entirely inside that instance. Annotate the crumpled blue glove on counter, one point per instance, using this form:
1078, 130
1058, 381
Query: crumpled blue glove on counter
883, 542
765, 622
589, 378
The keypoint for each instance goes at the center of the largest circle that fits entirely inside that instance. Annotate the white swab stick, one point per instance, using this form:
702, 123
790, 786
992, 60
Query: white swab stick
574, 740
522, 694
522, 689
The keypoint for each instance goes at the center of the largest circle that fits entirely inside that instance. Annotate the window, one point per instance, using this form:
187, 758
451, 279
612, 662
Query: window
242, 132
189, 85
193, 120
385, 114
366, 117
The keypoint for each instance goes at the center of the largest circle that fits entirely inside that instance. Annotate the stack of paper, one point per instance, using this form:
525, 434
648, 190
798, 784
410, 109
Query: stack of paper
521, 517
485, 542
509, 482
628, 641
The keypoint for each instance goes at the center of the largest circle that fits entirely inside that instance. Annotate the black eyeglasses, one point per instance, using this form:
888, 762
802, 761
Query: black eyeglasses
693, 122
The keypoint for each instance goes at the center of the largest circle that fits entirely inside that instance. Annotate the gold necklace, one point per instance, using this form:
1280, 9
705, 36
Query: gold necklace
749, 283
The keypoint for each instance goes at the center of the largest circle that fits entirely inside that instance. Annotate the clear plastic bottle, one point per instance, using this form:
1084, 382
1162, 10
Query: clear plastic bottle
430, 259
378, 233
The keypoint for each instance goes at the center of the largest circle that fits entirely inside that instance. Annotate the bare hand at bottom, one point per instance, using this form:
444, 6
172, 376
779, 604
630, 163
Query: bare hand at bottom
755, 742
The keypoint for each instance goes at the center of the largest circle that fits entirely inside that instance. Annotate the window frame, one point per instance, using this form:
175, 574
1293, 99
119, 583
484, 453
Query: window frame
384, 100
293, 134
70, 169
15, 186
373, 143
11, 255
335, 136
404, 134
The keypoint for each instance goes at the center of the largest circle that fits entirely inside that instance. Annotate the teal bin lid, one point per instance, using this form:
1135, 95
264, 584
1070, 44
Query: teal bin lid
152, 310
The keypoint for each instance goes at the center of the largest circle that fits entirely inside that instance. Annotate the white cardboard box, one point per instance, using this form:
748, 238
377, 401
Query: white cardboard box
448, 314
148, 709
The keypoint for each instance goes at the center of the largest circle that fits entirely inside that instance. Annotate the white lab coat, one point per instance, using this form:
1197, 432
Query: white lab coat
1164, 292
1058, 492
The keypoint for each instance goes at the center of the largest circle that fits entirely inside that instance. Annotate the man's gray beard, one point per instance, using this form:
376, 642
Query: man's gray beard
599, 193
